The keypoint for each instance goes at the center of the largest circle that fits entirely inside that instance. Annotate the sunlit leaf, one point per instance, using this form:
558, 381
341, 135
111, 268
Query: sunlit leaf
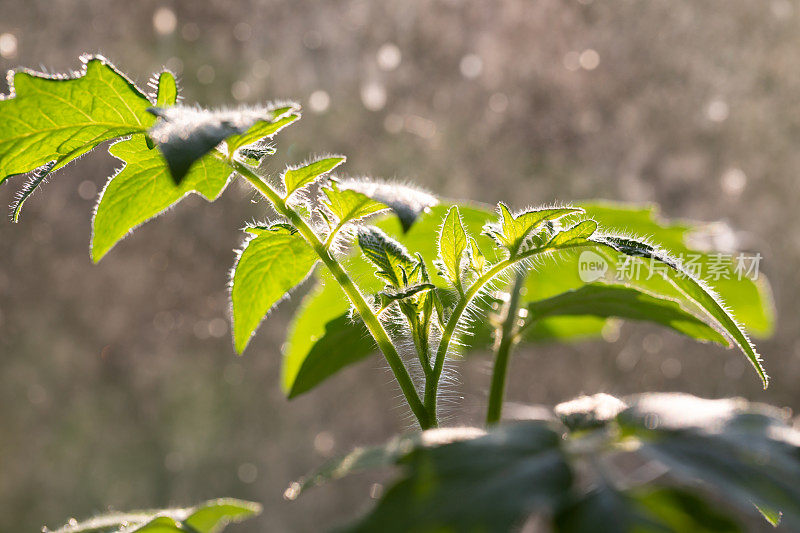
320, 324
272, 263
348, 205
167, 90
186, 134
143, 188
55, 118
693, 289
337, 348
407, 202
452, 245
608, 301
298, 177
512, 230
577, 233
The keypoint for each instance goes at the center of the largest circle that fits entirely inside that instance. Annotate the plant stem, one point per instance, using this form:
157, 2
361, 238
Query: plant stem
367, 315
506, 342
432, 385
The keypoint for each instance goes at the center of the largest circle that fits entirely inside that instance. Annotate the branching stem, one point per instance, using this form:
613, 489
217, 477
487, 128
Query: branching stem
356, 298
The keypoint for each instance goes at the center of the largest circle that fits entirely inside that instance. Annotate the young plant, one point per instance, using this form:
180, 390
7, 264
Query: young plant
434, 279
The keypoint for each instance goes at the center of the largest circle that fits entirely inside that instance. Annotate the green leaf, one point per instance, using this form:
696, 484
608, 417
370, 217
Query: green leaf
186, 134
576, 234
334, 350
750, 301
477, 261
348, 205
452, 244
209, 517
272, 263
56, 118
322, 319
282, 115
142, 188
693, 289
489, 483
298, 177
408, 203
608, 301
663, 510
392, 259
512, 231
746, 452
167, 90
214, 516
770, 515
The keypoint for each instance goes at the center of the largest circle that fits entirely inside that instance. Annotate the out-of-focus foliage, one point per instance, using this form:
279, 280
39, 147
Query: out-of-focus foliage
208, 517
456, 479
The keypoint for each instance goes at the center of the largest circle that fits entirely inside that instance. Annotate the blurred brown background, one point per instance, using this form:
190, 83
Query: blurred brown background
118, 382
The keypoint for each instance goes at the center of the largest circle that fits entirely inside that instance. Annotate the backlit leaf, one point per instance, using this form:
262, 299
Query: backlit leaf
407, 202
452, 245
143, 188
272, 263
298, 177
186, 134
348, 205
693, 289
512, 230
56, 118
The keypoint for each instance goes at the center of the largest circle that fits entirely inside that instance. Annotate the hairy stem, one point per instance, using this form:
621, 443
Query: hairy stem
432, 384
374, 325
505, 345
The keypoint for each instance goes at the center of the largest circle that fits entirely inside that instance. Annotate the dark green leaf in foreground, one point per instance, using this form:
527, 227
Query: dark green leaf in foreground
663, 510
296, 178
143, 188
489, 483
272, 263
186, 134
209, 517
55, 118
746, 452
373, 457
